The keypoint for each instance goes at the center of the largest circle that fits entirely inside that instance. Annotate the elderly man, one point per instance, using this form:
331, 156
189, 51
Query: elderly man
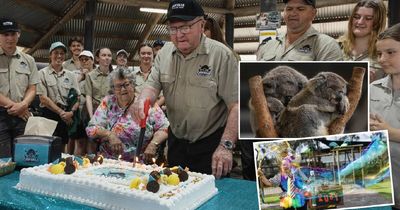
198, 77
301, 41
18, 79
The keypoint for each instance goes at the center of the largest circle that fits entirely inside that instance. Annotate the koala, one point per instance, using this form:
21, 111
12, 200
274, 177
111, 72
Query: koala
313, 109
280, 85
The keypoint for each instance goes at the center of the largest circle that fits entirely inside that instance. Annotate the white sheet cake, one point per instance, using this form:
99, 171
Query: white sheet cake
110, 186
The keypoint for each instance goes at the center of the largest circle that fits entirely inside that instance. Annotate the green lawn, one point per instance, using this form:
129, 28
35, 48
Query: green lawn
383, 188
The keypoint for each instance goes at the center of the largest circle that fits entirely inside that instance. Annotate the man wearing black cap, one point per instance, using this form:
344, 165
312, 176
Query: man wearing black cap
198, 77
301, 41
18, 79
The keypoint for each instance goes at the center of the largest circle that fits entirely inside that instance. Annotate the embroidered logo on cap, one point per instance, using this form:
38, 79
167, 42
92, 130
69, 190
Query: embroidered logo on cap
178, 6
305, 49
8, 23
204, 71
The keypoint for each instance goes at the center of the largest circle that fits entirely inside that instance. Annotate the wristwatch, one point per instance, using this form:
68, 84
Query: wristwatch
227, 144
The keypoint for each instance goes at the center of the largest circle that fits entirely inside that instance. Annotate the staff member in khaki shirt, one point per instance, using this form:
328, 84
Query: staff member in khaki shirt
75, 45
53, 90
198, 77
18, 79
143, 71
301, 41
96, 83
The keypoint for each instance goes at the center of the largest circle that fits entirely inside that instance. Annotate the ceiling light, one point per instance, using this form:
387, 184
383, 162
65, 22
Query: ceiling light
153, 10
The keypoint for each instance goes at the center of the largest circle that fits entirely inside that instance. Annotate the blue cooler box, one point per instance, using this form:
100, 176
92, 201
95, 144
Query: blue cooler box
31, 150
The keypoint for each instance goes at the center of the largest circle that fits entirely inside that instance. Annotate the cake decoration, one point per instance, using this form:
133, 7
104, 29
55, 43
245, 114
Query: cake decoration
57, 168
183, 176
153, 186
135, 183
173, 179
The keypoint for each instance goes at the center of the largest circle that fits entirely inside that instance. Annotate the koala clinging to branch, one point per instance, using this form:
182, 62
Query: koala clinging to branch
280, 85
312, 110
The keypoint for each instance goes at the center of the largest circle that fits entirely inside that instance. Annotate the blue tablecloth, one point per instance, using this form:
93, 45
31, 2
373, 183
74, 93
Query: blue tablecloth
232, 194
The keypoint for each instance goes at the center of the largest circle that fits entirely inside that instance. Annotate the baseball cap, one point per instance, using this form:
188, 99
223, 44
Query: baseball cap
86, 53
57, 45
8, 25
123, 51
184, 10
309, 2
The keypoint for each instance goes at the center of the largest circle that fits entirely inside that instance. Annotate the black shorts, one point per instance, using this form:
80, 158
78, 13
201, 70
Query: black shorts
61, 129
10, 127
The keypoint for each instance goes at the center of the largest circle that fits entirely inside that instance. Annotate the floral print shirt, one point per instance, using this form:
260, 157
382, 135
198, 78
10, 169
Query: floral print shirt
110, 116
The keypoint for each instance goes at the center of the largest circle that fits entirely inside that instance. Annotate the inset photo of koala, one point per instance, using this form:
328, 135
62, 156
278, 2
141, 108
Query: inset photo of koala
302, 99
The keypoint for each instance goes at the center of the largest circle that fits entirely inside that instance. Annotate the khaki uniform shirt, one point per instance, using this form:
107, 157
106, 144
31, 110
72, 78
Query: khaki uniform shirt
70, 65
197, 88
311, 46
16, 74
373, 64
97, 85
57, 86
386, 103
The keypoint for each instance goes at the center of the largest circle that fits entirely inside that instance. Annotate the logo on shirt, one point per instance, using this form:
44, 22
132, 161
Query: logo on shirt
305, 49
66, 81
23, 64
204, 71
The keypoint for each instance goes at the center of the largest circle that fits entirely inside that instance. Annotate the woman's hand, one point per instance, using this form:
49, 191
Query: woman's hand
115, 143
377, 123
150, 152
67, 117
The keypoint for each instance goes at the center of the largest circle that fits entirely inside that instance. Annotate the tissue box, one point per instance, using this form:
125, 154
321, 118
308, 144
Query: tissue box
33, 150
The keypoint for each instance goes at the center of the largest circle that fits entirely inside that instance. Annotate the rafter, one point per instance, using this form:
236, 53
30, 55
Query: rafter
113, 36
37, 6
79, 5
146, 32
247, 11
159, 5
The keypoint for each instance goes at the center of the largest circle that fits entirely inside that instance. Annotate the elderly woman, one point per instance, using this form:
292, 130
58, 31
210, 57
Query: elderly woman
114, 126
54, 90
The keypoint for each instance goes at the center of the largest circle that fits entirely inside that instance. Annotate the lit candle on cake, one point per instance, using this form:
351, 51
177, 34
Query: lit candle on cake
154, 163
119, 160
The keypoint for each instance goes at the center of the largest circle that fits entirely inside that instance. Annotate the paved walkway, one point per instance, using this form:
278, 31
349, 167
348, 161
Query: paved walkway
354, 195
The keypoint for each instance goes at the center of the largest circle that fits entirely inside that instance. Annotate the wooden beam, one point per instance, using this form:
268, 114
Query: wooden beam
230, 4
159, 5
37, 6
30, 29
78, 6
113, 36
248, 11
146, 32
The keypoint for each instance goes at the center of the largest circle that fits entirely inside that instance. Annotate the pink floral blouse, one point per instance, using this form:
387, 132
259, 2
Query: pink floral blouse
110, 116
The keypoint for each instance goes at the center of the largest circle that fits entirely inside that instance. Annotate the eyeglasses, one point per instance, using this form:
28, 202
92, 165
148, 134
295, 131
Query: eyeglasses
183, 29
119, 87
